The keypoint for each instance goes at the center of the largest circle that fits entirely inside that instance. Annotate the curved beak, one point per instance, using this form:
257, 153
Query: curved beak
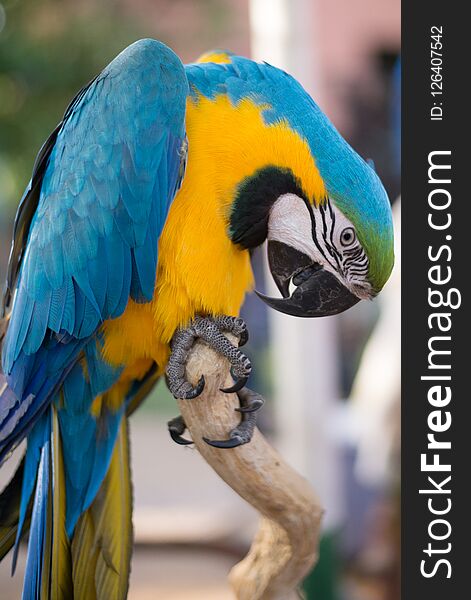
318, 293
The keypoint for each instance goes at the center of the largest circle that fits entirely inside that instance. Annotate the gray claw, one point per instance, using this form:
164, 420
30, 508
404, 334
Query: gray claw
178, 439
232, 442
183, 390
196, 391
244, 337
176, 428
238, 385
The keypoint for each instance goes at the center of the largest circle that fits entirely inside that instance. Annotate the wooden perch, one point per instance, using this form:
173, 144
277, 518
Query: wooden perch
285, 547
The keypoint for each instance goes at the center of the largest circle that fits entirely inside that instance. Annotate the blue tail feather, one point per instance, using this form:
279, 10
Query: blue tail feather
37, 439
37, 538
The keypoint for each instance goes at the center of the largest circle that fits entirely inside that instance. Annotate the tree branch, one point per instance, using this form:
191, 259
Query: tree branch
285, 547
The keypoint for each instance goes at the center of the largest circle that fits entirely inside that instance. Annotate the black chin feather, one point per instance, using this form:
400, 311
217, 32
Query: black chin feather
248, 225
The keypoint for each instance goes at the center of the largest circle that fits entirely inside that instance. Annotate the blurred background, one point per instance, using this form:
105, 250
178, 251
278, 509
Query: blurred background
332, 386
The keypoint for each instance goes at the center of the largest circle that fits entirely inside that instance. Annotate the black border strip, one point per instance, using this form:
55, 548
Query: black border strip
423, 411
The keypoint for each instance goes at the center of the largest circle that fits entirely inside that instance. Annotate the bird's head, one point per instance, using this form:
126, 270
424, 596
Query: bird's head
322, 209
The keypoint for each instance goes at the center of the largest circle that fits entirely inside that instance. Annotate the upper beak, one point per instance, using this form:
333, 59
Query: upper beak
318, 294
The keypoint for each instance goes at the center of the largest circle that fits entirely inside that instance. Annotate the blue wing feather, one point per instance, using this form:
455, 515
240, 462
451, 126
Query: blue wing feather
110, 172
119, 140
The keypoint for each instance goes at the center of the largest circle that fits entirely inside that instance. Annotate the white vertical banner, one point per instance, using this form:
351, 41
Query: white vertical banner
305, 351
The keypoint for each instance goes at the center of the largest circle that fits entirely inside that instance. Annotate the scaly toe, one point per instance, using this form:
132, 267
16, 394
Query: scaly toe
250, 401
252, 407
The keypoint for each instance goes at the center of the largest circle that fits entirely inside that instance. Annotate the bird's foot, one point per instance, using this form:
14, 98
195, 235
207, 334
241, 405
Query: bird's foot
211, 330
250, 403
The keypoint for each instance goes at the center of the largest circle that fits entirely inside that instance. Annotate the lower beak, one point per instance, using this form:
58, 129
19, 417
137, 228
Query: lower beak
318, 293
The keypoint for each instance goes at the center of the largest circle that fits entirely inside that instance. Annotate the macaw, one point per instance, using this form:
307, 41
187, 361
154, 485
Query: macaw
132, 240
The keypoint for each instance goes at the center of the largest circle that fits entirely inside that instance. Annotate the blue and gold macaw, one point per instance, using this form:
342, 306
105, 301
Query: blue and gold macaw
133, 239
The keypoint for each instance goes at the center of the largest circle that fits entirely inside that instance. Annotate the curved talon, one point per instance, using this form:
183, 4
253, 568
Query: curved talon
176, 427
243, 337
230, 443
238, 385
178, 439
196, 391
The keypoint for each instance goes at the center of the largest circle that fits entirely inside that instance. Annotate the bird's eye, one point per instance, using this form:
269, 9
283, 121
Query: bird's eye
347, 237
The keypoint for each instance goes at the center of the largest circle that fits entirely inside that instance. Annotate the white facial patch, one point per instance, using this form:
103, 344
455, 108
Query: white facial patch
327, 237
290, 223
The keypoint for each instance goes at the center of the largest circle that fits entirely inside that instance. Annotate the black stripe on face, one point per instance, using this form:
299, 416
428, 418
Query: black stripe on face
314, 233
362, 268
332, 251
352, 251
248, 221
353, 258
357, 264
358, 271
334, 247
